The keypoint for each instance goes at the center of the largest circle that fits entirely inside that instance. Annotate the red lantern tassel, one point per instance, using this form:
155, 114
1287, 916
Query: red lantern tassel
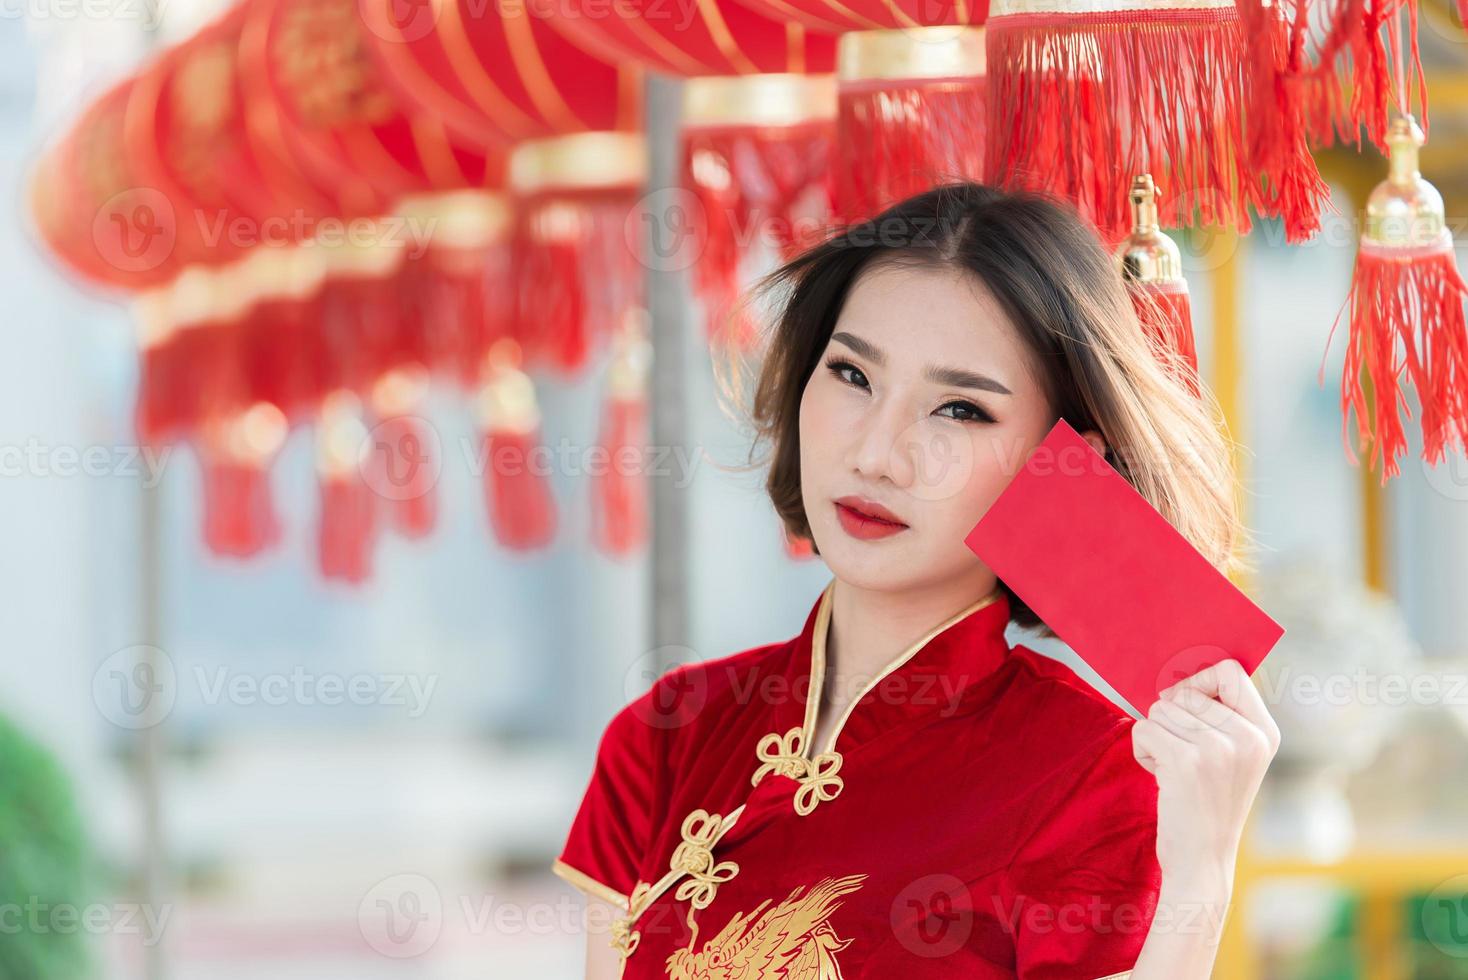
235, 454
619, 522
911, 113
1406, 315
619, 496
756, 159
577, 247
404, 453
1151, 266
518, 498
1083, 99
551, 306
459, 281
1329, 70
1166, 314
347, 524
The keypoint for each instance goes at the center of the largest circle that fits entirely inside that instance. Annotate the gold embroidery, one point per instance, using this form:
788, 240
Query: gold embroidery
793, 939
695, 857
624, 938
784, 756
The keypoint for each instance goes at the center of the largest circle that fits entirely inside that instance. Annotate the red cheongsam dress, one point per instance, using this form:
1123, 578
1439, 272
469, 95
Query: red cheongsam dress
977, 813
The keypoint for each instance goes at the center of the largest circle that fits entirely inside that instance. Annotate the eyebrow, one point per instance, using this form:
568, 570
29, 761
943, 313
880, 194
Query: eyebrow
957, 377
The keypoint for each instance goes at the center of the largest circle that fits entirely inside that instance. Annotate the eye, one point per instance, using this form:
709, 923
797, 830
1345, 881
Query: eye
848, 373
965, 412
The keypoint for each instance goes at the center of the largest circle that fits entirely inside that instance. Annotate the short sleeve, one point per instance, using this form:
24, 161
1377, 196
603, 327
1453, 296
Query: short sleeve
612, 829
1084, 884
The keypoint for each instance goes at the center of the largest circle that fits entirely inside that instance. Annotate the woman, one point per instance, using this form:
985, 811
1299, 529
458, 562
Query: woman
897, 791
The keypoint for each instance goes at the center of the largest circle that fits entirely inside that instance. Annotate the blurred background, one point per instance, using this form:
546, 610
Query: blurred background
241, 760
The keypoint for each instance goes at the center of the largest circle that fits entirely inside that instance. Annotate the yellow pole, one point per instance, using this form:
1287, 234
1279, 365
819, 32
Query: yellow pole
1235, 960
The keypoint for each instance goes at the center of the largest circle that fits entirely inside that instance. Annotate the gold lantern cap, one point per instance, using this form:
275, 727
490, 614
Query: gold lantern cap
911, 53
1404, 211
1147, 256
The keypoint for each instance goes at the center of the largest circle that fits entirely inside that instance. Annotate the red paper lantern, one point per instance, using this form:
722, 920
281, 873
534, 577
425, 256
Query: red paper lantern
95, 213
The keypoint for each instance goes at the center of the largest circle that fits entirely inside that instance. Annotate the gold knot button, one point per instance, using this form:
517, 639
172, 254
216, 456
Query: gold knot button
784, 755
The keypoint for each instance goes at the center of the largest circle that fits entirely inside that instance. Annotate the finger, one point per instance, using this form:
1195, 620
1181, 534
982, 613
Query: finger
1191, 728
1238, 730
1151, 740
1141, 753
1229, 683
1210, 712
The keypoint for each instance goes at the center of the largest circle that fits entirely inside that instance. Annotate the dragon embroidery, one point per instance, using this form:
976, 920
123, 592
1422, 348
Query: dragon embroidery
794, 940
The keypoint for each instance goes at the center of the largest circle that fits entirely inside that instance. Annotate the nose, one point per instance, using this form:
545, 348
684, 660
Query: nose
877, 450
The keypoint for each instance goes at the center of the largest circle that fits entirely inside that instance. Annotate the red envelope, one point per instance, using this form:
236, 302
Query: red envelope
1112, 577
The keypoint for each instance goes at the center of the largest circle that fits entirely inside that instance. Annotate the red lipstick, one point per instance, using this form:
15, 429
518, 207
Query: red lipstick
867, 520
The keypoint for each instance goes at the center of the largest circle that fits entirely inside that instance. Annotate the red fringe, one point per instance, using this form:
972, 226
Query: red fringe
1343, 82
897, 138
1082, 103
619, 522
191, 375
347, 528
464, 294
577, 272
1406, 314
521, 509
753, 186
1166, 314
280, 358
239, 514
403, 457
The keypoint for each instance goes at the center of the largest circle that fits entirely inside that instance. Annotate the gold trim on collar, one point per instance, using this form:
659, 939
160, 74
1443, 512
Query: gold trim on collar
589, 885
818, 662
791, 754
693, 858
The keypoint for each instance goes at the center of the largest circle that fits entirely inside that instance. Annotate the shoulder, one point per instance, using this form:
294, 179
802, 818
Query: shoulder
1049, 688
1071, 734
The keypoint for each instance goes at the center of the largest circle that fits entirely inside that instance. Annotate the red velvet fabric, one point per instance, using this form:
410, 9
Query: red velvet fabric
991, 820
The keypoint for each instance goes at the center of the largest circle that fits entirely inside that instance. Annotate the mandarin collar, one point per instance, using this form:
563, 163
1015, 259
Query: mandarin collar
926, 679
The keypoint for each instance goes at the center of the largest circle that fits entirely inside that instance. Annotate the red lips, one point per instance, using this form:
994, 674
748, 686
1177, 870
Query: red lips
867, 520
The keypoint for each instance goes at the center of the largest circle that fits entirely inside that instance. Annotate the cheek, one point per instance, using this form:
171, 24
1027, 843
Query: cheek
818, 423
961, 474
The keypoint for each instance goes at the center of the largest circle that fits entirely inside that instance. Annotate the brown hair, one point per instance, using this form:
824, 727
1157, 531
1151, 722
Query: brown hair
1057, 283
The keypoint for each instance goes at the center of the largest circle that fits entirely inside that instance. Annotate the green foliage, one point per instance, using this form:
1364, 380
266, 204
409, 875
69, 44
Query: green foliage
43, 865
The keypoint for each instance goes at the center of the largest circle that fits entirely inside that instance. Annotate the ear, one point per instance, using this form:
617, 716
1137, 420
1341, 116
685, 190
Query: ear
1093, 437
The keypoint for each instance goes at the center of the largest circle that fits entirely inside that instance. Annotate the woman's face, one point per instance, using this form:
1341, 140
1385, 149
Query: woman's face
923, 406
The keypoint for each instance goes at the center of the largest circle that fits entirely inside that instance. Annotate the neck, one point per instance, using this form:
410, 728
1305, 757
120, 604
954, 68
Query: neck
870, 629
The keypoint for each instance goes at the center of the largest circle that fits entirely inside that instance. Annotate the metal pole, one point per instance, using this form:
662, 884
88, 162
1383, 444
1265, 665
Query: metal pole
667, 305
151, 745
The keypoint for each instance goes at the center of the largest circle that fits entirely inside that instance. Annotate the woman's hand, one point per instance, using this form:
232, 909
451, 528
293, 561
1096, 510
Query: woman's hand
1208, 740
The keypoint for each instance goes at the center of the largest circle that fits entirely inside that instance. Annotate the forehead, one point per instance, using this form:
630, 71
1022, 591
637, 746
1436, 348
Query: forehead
927, 313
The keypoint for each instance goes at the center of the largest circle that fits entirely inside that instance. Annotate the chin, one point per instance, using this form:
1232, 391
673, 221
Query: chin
881, 566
